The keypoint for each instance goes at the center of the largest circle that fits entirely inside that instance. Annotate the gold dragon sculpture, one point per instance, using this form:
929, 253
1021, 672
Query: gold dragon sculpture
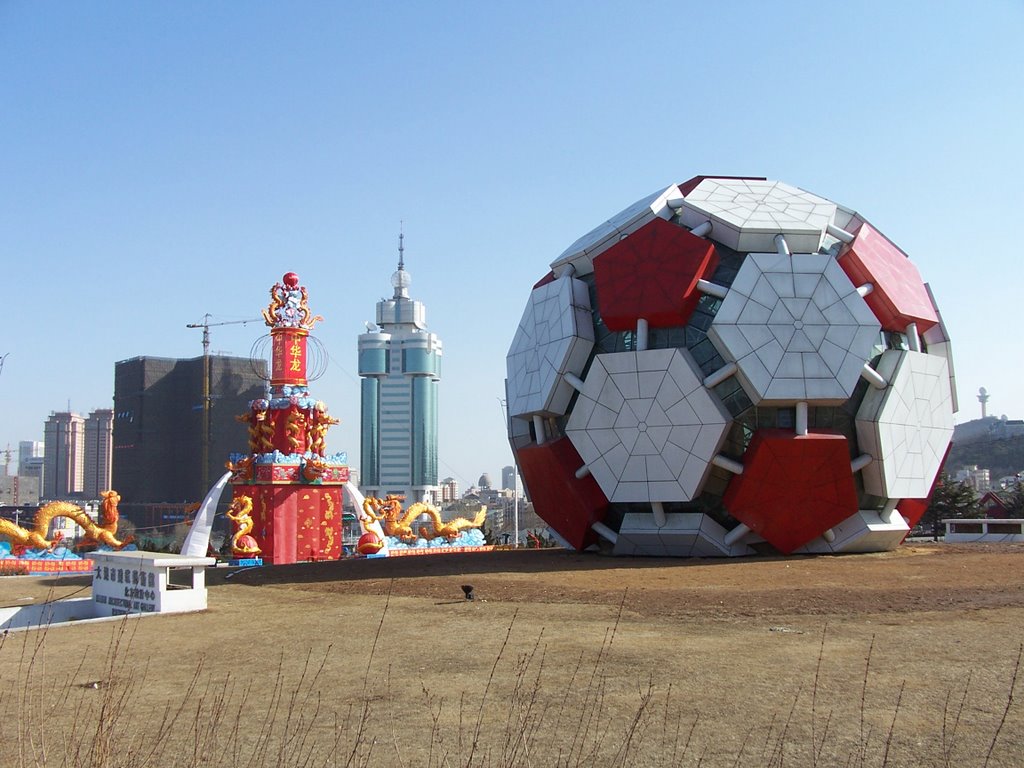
320, 423
290, 302
313, 469
35, 538
450, 529
240, 470
295, 429
397, 523
240, 514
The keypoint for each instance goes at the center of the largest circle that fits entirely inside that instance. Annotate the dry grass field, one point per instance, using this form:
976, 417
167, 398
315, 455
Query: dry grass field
907, 658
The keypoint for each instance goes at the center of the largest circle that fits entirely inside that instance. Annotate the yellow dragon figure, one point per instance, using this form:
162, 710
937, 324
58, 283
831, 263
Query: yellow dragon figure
308, 318
319, 424
295, 429
317, 435
32, 539
276, 302
399, 524
106, 533
266, 439
240, 514
313, 469
328, 516
452, 528
388, 511
280, 297
240, 470
254, 430
99, 534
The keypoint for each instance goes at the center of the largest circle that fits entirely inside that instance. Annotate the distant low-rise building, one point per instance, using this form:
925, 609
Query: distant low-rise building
31, 459
19, 491
449, 490
994, 504
978, 478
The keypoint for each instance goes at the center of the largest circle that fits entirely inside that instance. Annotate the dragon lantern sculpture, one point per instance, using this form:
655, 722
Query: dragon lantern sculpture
289, 305
397, 523
35, 537
243, 544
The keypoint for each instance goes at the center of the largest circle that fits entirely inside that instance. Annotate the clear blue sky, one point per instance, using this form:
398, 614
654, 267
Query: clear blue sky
163, 160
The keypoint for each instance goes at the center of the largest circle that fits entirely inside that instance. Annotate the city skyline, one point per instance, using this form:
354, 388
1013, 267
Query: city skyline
157, 170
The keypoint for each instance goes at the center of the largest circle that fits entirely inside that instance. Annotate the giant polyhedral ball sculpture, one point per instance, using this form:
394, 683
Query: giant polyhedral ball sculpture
731, 364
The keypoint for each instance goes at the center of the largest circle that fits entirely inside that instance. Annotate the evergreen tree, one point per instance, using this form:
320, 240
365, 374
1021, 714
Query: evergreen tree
1015, 507
951, 499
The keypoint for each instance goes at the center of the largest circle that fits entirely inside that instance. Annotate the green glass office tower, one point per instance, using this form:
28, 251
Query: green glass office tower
400, 366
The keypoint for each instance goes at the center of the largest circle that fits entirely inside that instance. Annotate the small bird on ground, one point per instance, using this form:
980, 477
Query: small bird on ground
468, 590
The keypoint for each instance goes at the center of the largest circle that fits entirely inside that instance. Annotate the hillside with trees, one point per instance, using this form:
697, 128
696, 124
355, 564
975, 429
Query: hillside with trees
1000, 457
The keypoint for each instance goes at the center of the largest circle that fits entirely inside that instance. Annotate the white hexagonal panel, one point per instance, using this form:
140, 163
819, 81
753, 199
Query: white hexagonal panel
646, 427
907, 426
555, 337
865, 531
687, 534
582, 252
796, 328
747, 214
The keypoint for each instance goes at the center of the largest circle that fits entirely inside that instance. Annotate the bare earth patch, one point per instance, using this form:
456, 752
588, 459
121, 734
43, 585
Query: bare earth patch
903, 658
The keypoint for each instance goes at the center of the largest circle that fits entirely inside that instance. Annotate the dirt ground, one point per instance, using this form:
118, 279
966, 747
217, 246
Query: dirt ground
902, 658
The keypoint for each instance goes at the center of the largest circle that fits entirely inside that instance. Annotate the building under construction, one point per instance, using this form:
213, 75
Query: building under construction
168, 418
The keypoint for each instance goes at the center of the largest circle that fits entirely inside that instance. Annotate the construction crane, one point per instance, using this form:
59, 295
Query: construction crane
206, 325
7, 451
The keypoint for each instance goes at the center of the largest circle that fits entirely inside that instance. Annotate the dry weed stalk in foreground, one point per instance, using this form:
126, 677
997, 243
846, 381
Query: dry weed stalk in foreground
520, 718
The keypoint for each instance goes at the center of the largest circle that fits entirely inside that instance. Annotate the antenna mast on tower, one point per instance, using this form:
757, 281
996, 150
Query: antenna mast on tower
401, 245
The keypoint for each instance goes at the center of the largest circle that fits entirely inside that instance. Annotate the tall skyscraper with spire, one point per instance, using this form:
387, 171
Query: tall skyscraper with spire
400, 366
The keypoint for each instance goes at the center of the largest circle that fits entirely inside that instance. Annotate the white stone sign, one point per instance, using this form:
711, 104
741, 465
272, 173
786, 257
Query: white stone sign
148, 582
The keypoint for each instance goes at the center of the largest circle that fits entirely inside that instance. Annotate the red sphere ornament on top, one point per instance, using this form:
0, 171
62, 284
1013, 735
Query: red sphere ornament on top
290, 279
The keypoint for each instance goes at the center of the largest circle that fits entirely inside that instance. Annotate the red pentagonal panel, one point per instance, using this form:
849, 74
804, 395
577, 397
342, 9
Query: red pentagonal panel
568, 504
912, 510
652, 274
548, 278
793, 487
898, 297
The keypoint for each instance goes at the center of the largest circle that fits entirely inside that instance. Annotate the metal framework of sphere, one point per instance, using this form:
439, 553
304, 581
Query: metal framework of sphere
726, 366
316, 357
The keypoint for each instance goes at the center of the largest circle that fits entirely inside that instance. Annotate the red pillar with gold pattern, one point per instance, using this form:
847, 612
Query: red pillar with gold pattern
295, 486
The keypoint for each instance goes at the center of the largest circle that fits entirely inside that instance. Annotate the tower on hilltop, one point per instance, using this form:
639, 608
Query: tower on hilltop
400, 366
